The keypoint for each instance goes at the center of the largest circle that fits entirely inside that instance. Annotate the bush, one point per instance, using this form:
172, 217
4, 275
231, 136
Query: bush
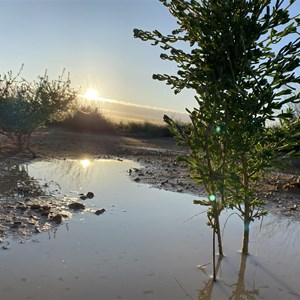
26, 106
87, 119
146, 129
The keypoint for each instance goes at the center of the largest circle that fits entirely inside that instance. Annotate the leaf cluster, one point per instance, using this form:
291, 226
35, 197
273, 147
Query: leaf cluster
241, 59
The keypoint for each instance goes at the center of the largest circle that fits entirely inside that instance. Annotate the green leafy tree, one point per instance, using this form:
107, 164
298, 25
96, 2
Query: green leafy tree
241, 59
26, 106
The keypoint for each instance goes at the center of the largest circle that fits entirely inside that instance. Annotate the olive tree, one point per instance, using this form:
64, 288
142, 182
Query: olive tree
26, 106
240, 57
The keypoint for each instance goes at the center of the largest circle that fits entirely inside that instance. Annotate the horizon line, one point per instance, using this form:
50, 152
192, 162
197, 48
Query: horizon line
125, 103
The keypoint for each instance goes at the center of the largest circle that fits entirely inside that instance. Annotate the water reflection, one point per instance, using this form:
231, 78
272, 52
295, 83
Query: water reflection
72, 172
207, 291
85, 163
237, 290
17, 182
240, 292
271, 265
143, 247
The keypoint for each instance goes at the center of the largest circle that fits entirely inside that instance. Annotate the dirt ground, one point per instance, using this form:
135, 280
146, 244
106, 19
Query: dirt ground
31, 213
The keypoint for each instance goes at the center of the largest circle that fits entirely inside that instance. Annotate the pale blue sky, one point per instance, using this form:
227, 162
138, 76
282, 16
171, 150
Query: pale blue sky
93, 40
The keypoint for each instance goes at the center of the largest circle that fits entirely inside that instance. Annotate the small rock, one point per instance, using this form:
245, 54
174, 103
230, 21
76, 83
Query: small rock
83, 197
45, 214
100, 211
35, 206
294, 207
66, 214
137, 179
16, 224
5, 247
57, 219
22, 207
37, 229
46, 207
90, 195
76, 206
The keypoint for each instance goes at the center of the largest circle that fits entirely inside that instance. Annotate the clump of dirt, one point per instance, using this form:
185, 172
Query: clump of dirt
24, 216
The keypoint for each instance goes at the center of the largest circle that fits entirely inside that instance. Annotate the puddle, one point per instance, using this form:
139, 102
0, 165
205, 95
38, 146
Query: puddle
143, 247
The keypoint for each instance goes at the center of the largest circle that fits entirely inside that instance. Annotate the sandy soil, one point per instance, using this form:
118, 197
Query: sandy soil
32, 212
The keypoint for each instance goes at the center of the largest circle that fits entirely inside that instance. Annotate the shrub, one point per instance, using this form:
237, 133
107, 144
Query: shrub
87, 119
26, 106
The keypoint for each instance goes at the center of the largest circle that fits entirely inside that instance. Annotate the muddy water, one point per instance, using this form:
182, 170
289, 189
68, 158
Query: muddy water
145, 246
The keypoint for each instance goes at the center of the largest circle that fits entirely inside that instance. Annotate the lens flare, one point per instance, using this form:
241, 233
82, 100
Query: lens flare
212, 197
218, 129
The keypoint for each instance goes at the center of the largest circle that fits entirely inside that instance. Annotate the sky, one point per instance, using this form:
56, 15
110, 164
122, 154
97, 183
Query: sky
93, 41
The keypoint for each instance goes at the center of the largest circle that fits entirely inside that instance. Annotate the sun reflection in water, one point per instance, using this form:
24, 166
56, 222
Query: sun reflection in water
85, 163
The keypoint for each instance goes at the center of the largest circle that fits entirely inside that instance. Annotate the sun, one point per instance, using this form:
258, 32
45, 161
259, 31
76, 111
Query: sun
91, 94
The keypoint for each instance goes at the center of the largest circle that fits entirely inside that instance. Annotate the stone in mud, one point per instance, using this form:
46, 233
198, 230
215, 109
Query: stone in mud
66, 214
76, 206
34, 217
46, 207
35, 206
16, 224
100, 211
90, 195
57, 219
6, 247
37, 229
22, 207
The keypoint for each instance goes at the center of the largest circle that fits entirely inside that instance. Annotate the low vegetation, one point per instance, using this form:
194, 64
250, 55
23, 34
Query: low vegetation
26, 106
87, 119
90, 120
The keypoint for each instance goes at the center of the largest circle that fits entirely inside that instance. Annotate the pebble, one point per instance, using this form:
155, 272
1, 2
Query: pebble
76, 206
100, 211
57, 219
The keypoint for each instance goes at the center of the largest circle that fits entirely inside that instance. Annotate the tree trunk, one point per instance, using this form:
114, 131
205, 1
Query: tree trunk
245, 249
214, 256
218, 232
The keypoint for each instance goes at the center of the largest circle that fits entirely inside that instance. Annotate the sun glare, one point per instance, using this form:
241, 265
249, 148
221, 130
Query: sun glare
85, 163
91, 94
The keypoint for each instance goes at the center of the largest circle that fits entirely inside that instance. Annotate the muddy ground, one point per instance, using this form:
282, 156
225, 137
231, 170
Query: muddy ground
27, 210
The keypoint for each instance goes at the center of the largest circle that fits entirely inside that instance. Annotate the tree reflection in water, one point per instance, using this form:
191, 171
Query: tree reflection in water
75, 172
207, 290
240, 292
238, 289
17, 182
